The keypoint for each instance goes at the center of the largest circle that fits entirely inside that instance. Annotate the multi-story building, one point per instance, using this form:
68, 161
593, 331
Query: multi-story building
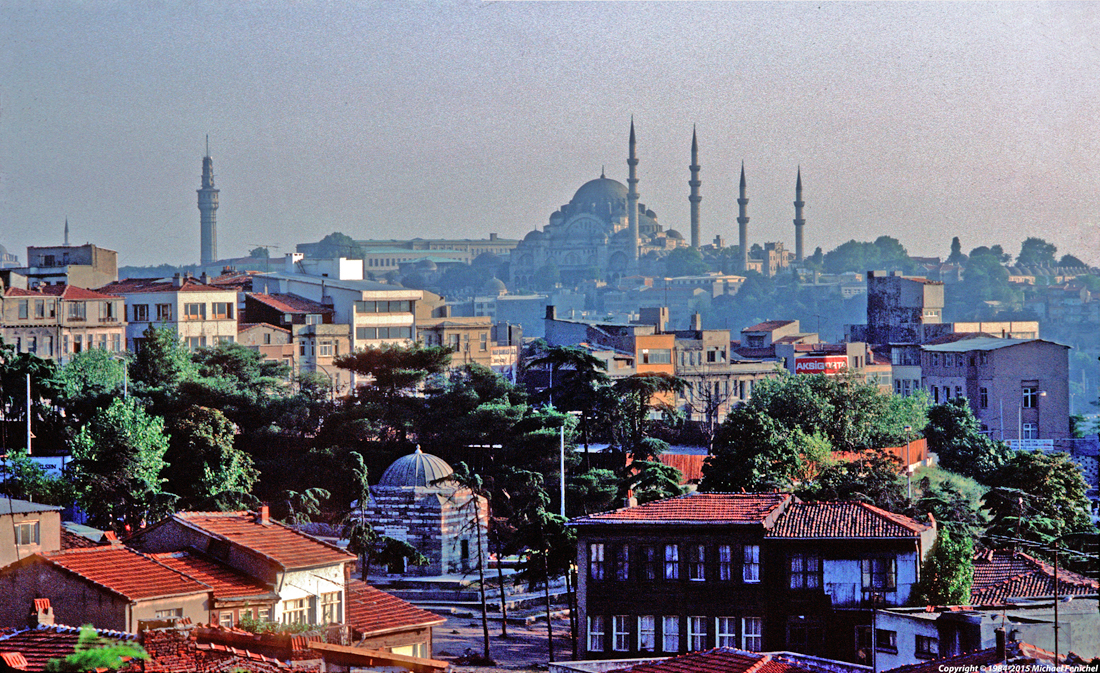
29, 528
1017, 388
757, 571
57, 321
201, 314
86, 266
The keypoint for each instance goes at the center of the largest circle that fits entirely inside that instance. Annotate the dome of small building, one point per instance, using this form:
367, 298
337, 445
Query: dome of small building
534, 235
426, 265
495, 287
672, 233
602, 192
418, 469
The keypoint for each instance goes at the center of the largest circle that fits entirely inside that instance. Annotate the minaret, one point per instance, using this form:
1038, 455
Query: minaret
632, 195
208, 206
694, 183
799, 221
66, 232
743, 222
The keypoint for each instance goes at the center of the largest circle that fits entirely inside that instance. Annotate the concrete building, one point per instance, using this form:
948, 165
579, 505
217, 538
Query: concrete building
414, 502
274, 343
29, 528
1017, 388
201, 314
55, 322
87, 266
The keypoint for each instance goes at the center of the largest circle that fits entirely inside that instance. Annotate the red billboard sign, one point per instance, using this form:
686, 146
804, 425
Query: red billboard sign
821, 364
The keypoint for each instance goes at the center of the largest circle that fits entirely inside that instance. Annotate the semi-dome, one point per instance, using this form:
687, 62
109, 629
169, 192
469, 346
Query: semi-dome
602, 191
418, 469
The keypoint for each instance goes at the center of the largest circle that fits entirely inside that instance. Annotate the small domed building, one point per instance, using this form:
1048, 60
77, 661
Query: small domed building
415, 502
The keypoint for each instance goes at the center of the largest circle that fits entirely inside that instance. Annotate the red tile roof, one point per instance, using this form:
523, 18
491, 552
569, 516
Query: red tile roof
1016, 653
67, 292
1001, 574
139, 285
70, 540
282, 544
371, 611
120, 570
718, 660
290, 303
734, 508
245, 326
38, 645
844, 520
225, 581
768, 325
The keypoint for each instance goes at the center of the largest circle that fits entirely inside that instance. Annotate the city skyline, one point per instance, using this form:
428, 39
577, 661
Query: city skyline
920, 122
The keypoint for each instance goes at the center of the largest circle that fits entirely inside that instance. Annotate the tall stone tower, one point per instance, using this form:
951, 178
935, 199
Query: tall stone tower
743, 222
694, 183
632, 196
799, 221
208, 207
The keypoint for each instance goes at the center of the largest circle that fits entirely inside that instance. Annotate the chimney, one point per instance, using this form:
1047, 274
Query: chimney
110, 538
177, 281
204, 279
697, 322
42, 613
492, 236
1002, 644
264, 516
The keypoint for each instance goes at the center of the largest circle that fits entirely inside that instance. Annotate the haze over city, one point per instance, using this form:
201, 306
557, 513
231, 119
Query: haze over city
394, 120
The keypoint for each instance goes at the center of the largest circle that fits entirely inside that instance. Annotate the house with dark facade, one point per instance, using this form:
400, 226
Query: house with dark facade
756, 571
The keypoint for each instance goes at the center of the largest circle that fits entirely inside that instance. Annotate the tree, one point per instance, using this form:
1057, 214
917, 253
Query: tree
685, 261
578, 382
872, 477
118, 457
947, 572
637, 396
201, 461
546, 277
299, 507
1071, 261
956, 256
15, 368
1037, 496
473, 482
162, 361
1036, 252
26, 479
336, 245
955, 436
245, 368
550, 553
91, 373
650, 480
753, 452
93, 653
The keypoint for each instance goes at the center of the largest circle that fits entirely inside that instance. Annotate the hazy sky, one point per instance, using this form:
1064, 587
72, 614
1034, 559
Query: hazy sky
397, 119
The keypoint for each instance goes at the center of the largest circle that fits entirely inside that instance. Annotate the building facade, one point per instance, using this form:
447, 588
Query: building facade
201, 314
56, 322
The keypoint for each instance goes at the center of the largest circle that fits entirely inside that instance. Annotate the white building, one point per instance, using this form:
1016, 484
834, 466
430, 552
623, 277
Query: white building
202, 314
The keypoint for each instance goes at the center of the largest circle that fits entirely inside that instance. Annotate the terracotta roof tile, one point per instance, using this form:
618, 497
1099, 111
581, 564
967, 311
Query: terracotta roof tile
1001, 574
225, 581
123, 571
768, 325
1017, 653
290, 303
735, 508
843, 520
282, 544
718, 660
68, 292
140, 285
371, 610
38, 645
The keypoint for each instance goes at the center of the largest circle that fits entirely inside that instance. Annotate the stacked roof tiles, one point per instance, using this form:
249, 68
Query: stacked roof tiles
225, 581
123, 571
38, 645
371, 611
733, 508
1000, 574
718, 660
817, 520
282, 544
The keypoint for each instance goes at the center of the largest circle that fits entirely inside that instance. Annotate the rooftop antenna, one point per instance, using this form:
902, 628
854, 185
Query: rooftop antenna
207, 144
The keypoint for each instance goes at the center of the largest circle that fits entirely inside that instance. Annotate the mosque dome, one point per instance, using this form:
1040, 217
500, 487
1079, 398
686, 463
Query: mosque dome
426, 265
672, 233
418, 469
604, 192
495, 287
534, 235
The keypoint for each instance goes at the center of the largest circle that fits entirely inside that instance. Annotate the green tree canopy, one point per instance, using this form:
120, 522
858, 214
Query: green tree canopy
884, 253
685, 261
243, 367
118, 457
947, 572
162, 361
201, 461
1036, 252
956, 256
954, 435
395, 369
338, 244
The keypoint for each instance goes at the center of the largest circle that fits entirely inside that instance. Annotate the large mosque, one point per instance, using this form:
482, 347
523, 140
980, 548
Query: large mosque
606, 232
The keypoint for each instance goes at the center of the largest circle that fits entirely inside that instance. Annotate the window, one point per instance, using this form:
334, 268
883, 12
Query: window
168, 614
32, 344
622, 563
1029, 431
596, 564
670, 633
697, 634
464, 549
656, 356
725, 634
725, 562
983, 397
164, 312
116, 343
107, 311
935, 394
39, 308
647, 633
752, 634
805, 571
935, 359
959, 360
483, 346
927, 647
325, 349
886, 641
330, 608
140, 312
750, 570
225, 619
196, 342
314, 319
648, 566
596, 633
194, 311
50, 309
879, 574
804, 636
1031, 397
27, 533
221, 310
672, 562
47, 345
263, 615
620, 633
958, 391
77, 310
22, 304
296, 611
864, 644
697, 566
